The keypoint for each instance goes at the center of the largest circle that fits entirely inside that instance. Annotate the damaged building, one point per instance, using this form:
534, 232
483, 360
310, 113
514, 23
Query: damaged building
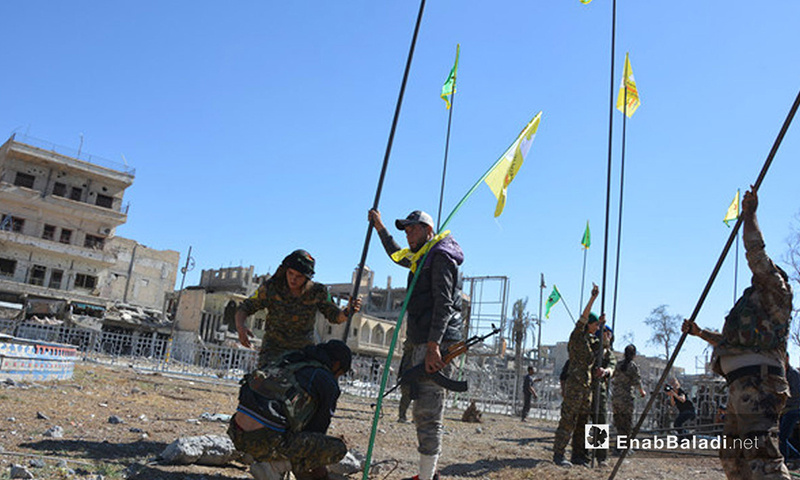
59, 255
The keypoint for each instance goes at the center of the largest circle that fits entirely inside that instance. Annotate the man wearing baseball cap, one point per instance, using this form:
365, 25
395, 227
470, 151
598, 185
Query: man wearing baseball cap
434, 320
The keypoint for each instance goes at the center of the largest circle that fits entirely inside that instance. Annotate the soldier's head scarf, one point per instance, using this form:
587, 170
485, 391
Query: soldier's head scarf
301, 261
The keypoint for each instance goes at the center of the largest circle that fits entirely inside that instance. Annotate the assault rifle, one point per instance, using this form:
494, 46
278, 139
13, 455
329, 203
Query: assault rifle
416, 372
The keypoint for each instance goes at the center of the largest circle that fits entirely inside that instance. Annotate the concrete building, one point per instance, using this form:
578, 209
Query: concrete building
58, 217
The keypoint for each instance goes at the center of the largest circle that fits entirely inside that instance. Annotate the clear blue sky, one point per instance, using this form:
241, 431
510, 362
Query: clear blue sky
259, 127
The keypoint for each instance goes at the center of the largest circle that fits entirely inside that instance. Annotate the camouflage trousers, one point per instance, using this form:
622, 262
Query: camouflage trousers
579, 434
304, 450
623, 414
751, 428
574, 410
428, 407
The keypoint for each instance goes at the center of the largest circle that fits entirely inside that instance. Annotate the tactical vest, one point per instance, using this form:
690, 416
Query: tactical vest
273, 392
749, 329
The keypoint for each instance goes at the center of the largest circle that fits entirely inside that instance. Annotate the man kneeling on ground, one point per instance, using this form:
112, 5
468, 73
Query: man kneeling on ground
285, 409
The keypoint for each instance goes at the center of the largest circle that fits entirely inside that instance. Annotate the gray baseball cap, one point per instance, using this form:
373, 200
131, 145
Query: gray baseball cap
413, 218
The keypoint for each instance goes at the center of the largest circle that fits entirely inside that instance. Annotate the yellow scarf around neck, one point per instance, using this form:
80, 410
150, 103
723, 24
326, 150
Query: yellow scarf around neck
406, 253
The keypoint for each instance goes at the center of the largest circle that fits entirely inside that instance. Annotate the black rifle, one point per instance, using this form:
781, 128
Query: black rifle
416, 372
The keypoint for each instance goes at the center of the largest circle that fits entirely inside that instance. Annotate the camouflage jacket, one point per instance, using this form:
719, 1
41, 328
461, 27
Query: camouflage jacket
624, 383
290, 319
609, 361
759, 322
581, 355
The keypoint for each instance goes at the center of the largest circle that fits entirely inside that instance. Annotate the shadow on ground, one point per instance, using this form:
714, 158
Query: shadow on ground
105, 451
483, 468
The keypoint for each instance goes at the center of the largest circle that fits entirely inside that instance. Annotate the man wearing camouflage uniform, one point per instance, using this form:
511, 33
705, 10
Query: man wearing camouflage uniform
292, 300
601, 375
750, 353
434, 320
284, 434
577, 389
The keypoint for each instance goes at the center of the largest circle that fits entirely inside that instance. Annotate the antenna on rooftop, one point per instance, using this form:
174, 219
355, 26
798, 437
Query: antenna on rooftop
80, 146
124, 160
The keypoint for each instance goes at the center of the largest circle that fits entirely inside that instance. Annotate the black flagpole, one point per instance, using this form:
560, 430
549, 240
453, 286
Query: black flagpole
621, 188
601, 327
755, 187
357, 282
447, 141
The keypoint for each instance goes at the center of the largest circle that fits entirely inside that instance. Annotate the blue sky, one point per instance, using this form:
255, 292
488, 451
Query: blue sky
259, 127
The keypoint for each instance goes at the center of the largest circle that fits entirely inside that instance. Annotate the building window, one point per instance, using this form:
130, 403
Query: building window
85, 281
55, 278
92, 241
104, 201
12, 224
37, 275
49, 232
24, 180
7, 267
76, 193
66, 236
59, 189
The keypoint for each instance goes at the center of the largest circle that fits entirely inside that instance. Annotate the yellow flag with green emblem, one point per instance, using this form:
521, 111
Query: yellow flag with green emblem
628, 91
733, 210
500, 177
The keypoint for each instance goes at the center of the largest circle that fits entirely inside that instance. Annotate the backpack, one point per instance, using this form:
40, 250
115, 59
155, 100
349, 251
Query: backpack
273, 392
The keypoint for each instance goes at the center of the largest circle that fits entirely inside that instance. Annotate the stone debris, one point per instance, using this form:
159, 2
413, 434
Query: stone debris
351, 463
18, 471
212, 450
215, 417
472, 414
37, 463
115, 420
42, 416
54, 432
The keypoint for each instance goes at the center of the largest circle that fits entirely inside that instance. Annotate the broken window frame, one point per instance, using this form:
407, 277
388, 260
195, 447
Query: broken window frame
23, 179
37, 275
84, 280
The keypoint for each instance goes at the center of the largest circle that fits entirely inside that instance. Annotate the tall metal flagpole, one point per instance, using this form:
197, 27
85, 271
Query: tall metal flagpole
357, 282
583, 277
447, 141
599, 358
621, 188
539, 336
733, 235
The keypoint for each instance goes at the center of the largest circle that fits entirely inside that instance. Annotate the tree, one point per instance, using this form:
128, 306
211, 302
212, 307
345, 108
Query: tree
666, 328
521, 320
792, 259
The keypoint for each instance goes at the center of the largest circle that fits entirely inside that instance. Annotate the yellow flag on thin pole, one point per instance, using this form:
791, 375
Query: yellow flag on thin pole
733, 210
509, 164
629, 85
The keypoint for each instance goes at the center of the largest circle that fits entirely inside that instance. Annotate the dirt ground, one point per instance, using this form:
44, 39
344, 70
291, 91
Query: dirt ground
157, 409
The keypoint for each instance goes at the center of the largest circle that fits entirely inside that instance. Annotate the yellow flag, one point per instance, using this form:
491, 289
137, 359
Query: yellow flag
629, 85
586, 2
733, 210
509, 164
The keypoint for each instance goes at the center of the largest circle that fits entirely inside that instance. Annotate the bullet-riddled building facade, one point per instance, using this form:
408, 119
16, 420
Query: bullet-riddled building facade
58, 217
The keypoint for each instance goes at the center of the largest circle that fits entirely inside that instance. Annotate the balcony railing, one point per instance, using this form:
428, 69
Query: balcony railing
73, 153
